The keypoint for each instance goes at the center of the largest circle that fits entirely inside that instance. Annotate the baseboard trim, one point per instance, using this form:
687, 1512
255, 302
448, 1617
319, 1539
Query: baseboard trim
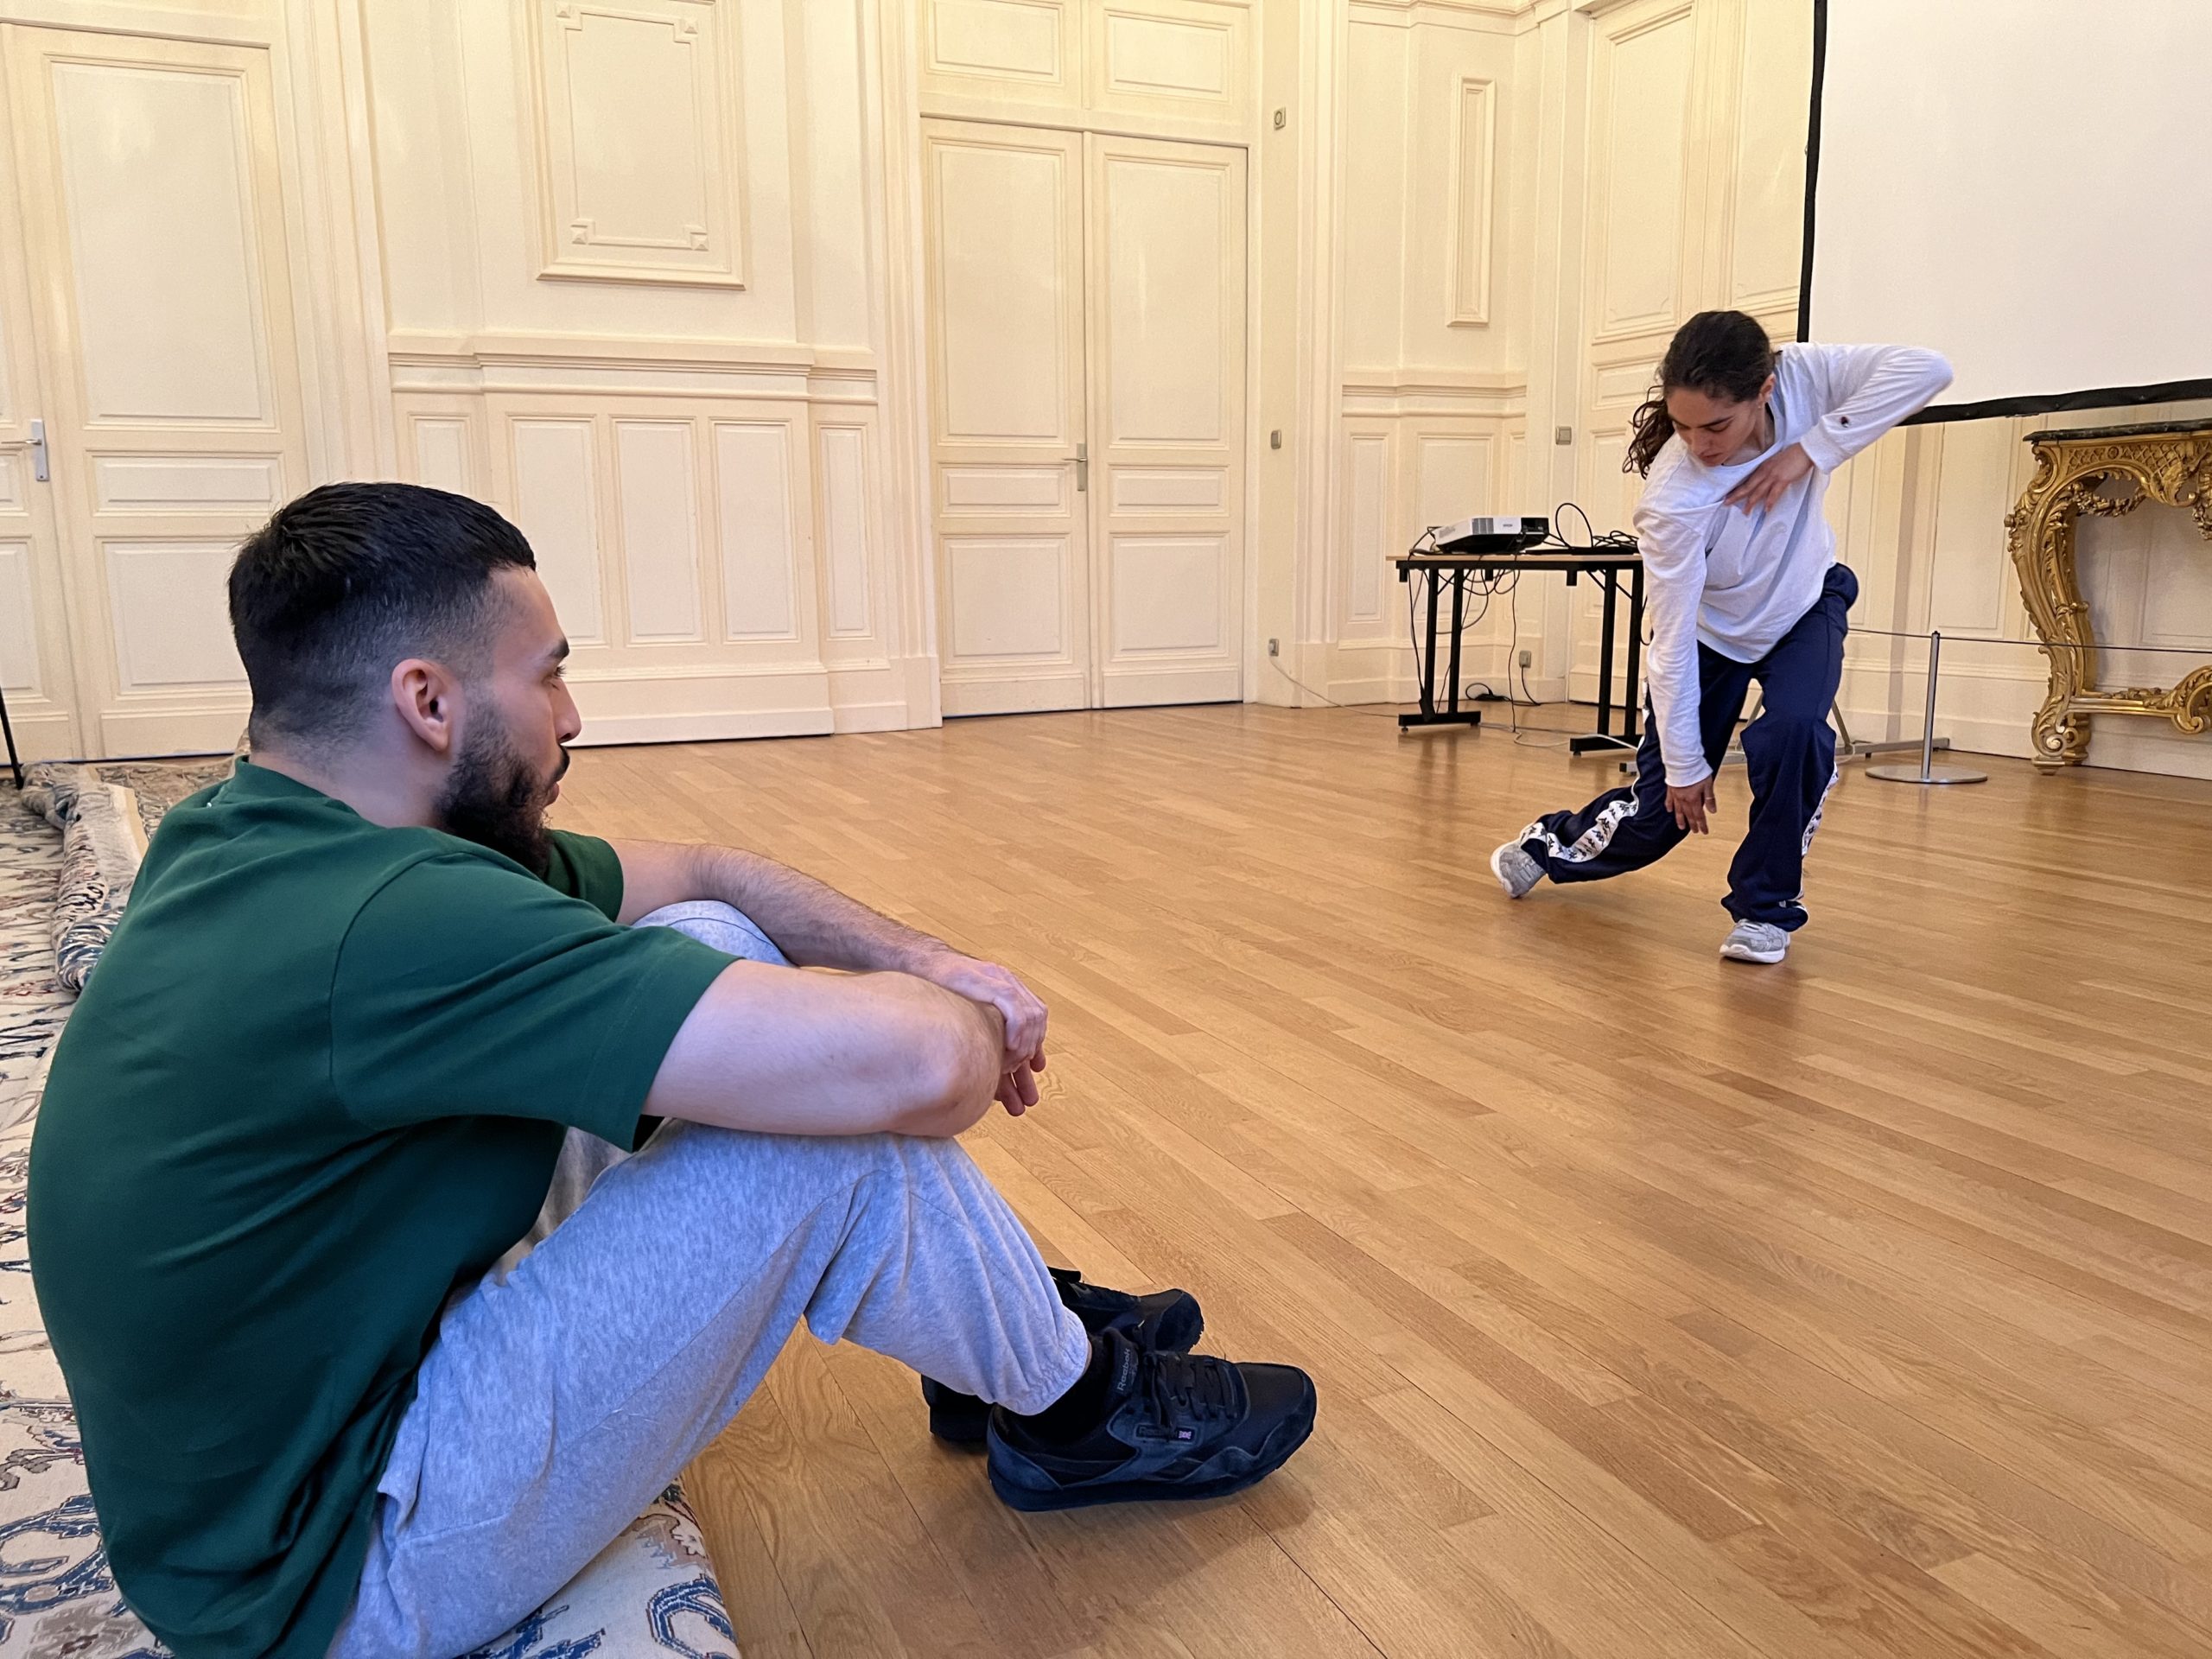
43, 735
713, 727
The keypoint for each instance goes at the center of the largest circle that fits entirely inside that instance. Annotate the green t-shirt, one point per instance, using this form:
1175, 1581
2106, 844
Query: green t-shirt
318, 1080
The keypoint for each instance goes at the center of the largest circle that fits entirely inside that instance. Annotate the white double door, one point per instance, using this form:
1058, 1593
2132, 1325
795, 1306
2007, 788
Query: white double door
1086, 318
150, 404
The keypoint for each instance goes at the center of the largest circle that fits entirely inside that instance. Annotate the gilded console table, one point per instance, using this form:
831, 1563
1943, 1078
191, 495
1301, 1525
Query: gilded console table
2075, 471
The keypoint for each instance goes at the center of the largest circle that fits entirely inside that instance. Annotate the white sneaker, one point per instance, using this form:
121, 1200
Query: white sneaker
1516, 871
1755, 942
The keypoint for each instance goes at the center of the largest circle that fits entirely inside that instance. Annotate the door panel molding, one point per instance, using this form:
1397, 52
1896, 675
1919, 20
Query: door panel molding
149, 179
1002, 226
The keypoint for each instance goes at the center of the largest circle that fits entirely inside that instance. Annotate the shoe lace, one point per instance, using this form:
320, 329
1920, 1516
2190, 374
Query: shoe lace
1185, 1389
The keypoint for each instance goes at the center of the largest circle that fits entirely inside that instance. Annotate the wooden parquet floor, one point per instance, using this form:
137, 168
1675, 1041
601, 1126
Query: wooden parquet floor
1659, 1306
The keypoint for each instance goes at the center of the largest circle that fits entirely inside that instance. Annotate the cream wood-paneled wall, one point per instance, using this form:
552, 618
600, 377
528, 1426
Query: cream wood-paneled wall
1533, 195
651, 277
1691, 196
1436, 332
646, 275
638, 262
632, 273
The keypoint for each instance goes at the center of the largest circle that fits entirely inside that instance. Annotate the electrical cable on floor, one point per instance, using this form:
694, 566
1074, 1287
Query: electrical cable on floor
1485, 587
1388, 713
1592, 541
1522, 740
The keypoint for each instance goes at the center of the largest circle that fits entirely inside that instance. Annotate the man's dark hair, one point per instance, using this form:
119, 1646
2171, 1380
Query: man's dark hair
350, 579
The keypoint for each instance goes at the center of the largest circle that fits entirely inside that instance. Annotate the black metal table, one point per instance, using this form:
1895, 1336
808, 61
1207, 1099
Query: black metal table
1605, 564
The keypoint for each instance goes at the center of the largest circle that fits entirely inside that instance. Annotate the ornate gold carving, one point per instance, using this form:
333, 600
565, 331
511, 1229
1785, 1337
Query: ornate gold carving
2109, 475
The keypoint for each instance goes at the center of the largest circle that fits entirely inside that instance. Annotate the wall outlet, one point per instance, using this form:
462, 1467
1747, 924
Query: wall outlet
1528, 657
1274, 647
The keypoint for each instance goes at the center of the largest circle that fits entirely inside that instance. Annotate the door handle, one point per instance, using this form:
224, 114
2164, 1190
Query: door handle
39, 469
1081, 466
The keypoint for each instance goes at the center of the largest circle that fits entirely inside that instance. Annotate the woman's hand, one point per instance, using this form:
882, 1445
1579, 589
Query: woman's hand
1690, 803
1766, 483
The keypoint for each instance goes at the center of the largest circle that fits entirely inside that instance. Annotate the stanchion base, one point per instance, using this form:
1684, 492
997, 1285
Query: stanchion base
1933, 775
1860, 750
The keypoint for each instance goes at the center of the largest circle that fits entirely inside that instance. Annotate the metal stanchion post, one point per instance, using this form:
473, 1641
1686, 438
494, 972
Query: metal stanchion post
1930, 772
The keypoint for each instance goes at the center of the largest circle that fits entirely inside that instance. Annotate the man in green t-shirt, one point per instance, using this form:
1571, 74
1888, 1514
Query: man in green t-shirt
319, 1083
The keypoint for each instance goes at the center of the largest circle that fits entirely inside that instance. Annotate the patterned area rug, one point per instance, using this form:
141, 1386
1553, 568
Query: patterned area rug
55, 1597
32, 1001
106, 814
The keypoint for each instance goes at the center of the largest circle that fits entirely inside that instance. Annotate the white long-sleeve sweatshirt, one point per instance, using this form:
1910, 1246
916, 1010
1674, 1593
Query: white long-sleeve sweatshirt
1736, 580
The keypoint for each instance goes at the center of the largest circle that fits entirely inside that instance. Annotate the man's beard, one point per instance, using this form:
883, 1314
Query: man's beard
496, 799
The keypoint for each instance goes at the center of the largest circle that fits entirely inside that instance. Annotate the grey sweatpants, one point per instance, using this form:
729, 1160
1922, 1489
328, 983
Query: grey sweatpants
566, 1390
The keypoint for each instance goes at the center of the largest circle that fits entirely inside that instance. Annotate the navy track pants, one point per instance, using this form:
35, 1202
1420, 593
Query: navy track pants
1791, 754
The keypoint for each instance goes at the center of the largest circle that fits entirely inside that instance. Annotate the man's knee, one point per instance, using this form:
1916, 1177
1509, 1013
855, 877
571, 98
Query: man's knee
743, 1160
723, 926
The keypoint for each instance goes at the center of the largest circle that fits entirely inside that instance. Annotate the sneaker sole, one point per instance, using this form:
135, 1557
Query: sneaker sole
1502, 880
1145, 1492
1739, 953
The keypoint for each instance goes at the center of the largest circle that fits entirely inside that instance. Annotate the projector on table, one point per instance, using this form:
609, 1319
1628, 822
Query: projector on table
1487, 535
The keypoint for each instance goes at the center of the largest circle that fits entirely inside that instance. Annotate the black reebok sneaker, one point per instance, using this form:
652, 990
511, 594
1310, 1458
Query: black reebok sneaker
1167, 1319
1175, 1425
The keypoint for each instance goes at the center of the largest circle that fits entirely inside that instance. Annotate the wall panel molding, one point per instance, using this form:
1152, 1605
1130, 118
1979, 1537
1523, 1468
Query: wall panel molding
442, 452
757, 530
626, 365
1179, 61
22, 666
1371, 467
1417, 390
1485, 16
845, 539
636, 125
1763, 206
1473, 202
656, 530
167, 601
553, 494
1644, 71
1037, 41
1146, 68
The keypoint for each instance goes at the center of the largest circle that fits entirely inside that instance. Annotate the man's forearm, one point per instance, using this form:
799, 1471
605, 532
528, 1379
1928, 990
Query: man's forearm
811, 922
817, 926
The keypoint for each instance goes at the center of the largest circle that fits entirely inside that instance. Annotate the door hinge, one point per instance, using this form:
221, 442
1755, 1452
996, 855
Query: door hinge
39, 469
1083, 466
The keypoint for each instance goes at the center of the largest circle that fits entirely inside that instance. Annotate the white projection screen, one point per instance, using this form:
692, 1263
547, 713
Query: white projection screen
2023, 185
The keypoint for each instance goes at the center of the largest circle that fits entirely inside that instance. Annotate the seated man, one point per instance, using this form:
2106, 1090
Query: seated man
319, 1083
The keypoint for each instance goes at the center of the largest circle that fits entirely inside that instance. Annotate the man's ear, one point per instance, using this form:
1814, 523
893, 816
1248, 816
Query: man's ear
427, 697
